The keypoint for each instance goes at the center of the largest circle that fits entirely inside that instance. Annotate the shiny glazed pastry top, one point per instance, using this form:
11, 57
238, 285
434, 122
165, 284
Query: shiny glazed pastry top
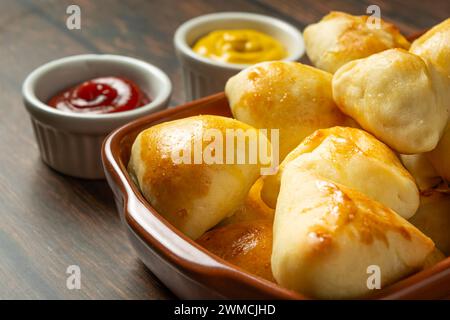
246, 244
289, 96
326, 237
170, 165
340, 37
355, 159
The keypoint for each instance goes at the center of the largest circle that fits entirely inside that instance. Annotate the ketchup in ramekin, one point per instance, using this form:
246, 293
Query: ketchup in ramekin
101, 95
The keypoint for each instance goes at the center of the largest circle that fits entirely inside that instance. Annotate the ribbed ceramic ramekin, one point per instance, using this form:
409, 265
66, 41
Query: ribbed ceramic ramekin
203, 76
71, 142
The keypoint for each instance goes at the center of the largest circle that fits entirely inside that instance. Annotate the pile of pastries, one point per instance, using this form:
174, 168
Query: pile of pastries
364, 144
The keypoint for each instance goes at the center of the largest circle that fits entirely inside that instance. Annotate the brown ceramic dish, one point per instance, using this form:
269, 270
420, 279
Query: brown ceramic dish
187, 269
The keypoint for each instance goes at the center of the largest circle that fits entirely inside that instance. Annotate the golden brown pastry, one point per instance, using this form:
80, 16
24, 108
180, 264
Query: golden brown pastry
246, 244
440, 156
356, 159
422, 170
434, 46
340, 37
326, 236
433, 218
253, 207
193, 195
245, 238
396, 97
289, 96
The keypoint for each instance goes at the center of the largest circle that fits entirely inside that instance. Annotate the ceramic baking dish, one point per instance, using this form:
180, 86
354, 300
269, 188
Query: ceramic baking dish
187, 269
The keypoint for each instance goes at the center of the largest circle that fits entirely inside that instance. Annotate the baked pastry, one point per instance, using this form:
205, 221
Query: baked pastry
396, 97
253, 208
433, 218
440, 156
245, 238
422, 170
340, 37
289, 96
194, 194
327, 236
355, 159
247, 244
434, 47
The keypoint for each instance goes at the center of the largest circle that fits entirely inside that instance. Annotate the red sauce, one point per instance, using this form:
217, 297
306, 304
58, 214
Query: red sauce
101, 95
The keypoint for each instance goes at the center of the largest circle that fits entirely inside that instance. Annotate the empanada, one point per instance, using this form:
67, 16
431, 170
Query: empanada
434, 46
247, 244
245, 238
289, 96
340, 37
356, 159
433, 218
422, 170
395, 96
253, 208
329, 238
190, 192
440, 156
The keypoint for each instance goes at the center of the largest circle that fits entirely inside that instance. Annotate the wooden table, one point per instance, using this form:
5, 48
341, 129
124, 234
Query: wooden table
49, 221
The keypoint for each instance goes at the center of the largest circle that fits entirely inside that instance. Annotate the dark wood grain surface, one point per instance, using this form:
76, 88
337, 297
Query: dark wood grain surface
49, 221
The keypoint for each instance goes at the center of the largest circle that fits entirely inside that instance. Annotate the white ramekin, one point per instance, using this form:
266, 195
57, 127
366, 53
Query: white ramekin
71, 142
203, 76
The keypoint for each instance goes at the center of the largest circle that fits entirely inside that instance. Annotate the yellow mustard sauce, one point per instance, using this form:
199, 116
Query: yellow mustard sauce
240, 46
